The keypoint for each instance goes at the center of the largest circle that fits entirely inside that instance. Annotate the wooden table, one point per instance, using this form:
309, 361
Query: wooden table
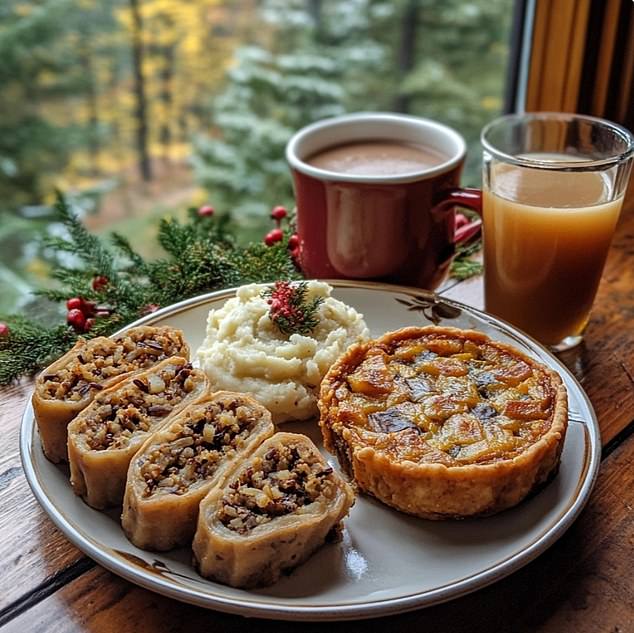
584, 583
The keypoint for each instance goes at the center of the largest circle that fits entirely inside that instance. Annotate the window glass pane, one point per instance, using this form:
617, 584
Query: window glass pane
144, 107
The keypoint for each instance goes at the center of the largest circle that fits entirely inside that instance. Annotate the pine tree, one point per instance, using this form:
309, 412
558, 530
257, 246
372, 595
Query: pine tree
47, 50
459, 53
309, 70
444, 59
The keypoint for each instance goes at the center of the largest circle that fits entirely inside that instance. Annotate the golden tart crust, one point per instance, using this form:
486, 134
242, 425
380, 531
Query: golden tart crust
443, 423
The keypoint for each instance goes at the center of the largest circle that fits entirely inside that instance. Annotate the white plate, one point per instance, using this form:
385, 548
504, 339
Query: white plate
387, 562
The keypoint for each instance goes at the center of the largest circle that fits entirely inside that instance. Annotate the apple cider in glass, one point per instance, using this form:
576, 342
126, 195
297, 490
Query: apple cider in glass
544, 256
551, 200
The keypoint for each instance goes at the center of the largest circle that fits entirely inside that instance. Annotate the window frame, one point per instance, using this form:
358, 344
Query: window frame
573, 56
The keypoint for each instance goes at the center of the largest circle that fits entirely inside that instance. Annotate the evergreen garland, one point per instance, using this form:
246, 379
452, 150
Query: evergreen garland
201, 256
118, 285
464, 266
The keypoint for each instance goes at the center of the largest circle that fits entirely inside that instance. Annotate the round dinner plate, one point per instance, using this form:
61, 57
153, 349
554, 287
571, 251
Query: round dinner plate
387, 562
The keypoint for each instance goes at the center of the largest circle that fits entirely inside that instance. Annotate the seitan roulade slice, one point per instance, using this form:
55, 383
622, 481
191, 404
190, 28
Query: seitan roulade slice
178, 466
104, 437
271, 514
69, 385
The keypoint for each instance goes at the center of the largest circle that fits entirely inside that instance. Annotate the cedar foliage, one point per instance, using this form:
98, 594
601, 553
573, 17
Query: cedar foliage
201, 255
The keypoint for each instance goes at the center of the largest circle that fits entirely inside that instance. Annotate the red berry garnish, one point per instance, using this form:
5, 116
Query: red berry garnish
278, 213
75, 303
149, 308
76, 318
206, 211
276, 235
460, 220
293, 241
88, 325
99, 282
4, 329
88, 308
291, 310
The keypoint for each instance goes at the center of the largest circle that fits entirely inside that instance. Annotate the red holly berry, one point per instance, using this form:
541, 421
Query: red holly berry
77, 319
293, 241
4, 329
278, 213
75, 303
88, 308
273, 236
99, 282
460, 220
206, 211
149, 308
88, 325
290, 309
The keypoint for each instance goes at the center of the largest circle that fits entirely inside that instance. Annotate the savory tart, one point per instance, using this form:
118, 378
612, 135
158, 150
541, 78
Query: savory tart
443, 423
104, 437
178, 465
69, 385
271, 514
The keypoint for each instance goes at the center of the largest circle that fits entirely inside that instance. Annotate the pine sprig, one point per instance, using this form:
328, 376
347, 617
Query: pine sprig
123, 246
258, 263
28, 345
201, 255
290, 309
464, 266
89, 247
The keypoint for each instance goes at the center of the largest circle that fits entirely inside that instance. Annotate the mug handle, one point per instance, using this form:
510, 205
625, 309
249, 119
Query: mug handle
464, 197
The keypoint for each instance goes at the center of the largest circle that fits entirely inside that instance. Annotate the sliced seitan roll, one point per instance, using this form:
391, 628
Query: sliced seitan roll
105, 436
178, 465
70, 384
271, 514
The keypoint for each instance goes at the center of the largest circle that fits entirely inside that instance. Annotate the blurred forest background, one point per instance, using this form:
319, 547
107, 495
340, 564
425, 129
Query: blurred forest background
141, 108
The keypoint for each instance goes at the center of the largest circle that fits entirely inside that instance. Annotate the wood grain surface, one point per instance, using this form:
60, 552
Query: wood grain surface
584, 583
581, 584
32, 550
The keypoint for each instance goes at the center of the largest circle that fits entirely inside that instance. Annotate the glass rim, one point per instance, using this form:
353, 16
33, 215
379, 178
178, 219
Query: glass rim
563, 165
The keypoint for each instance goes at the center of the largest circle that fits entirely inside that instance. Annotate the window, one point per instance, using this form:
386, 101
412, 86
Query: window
140, 108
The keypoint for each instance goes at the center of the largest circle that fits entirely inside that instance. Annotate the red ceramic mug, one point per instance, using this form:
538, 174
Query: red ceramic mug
396, 229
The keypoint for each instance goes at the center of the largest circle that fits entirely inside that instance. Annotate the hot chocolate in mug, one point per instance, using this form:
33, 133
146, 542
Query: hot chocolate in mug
375, 197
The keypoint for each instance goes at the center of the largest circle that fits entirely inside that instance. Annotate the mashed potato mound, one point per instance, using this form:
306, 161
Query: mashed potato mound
245, 352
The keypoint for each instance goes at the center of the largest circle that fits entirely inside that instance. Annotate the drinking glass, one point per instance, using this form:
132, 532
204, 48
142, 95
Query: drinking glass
553, 187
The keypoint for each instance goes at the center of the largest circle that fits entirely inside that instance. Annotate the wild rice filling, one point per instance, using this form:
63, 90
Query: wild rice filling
137, 407
101, 359
205, 437
284, 481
